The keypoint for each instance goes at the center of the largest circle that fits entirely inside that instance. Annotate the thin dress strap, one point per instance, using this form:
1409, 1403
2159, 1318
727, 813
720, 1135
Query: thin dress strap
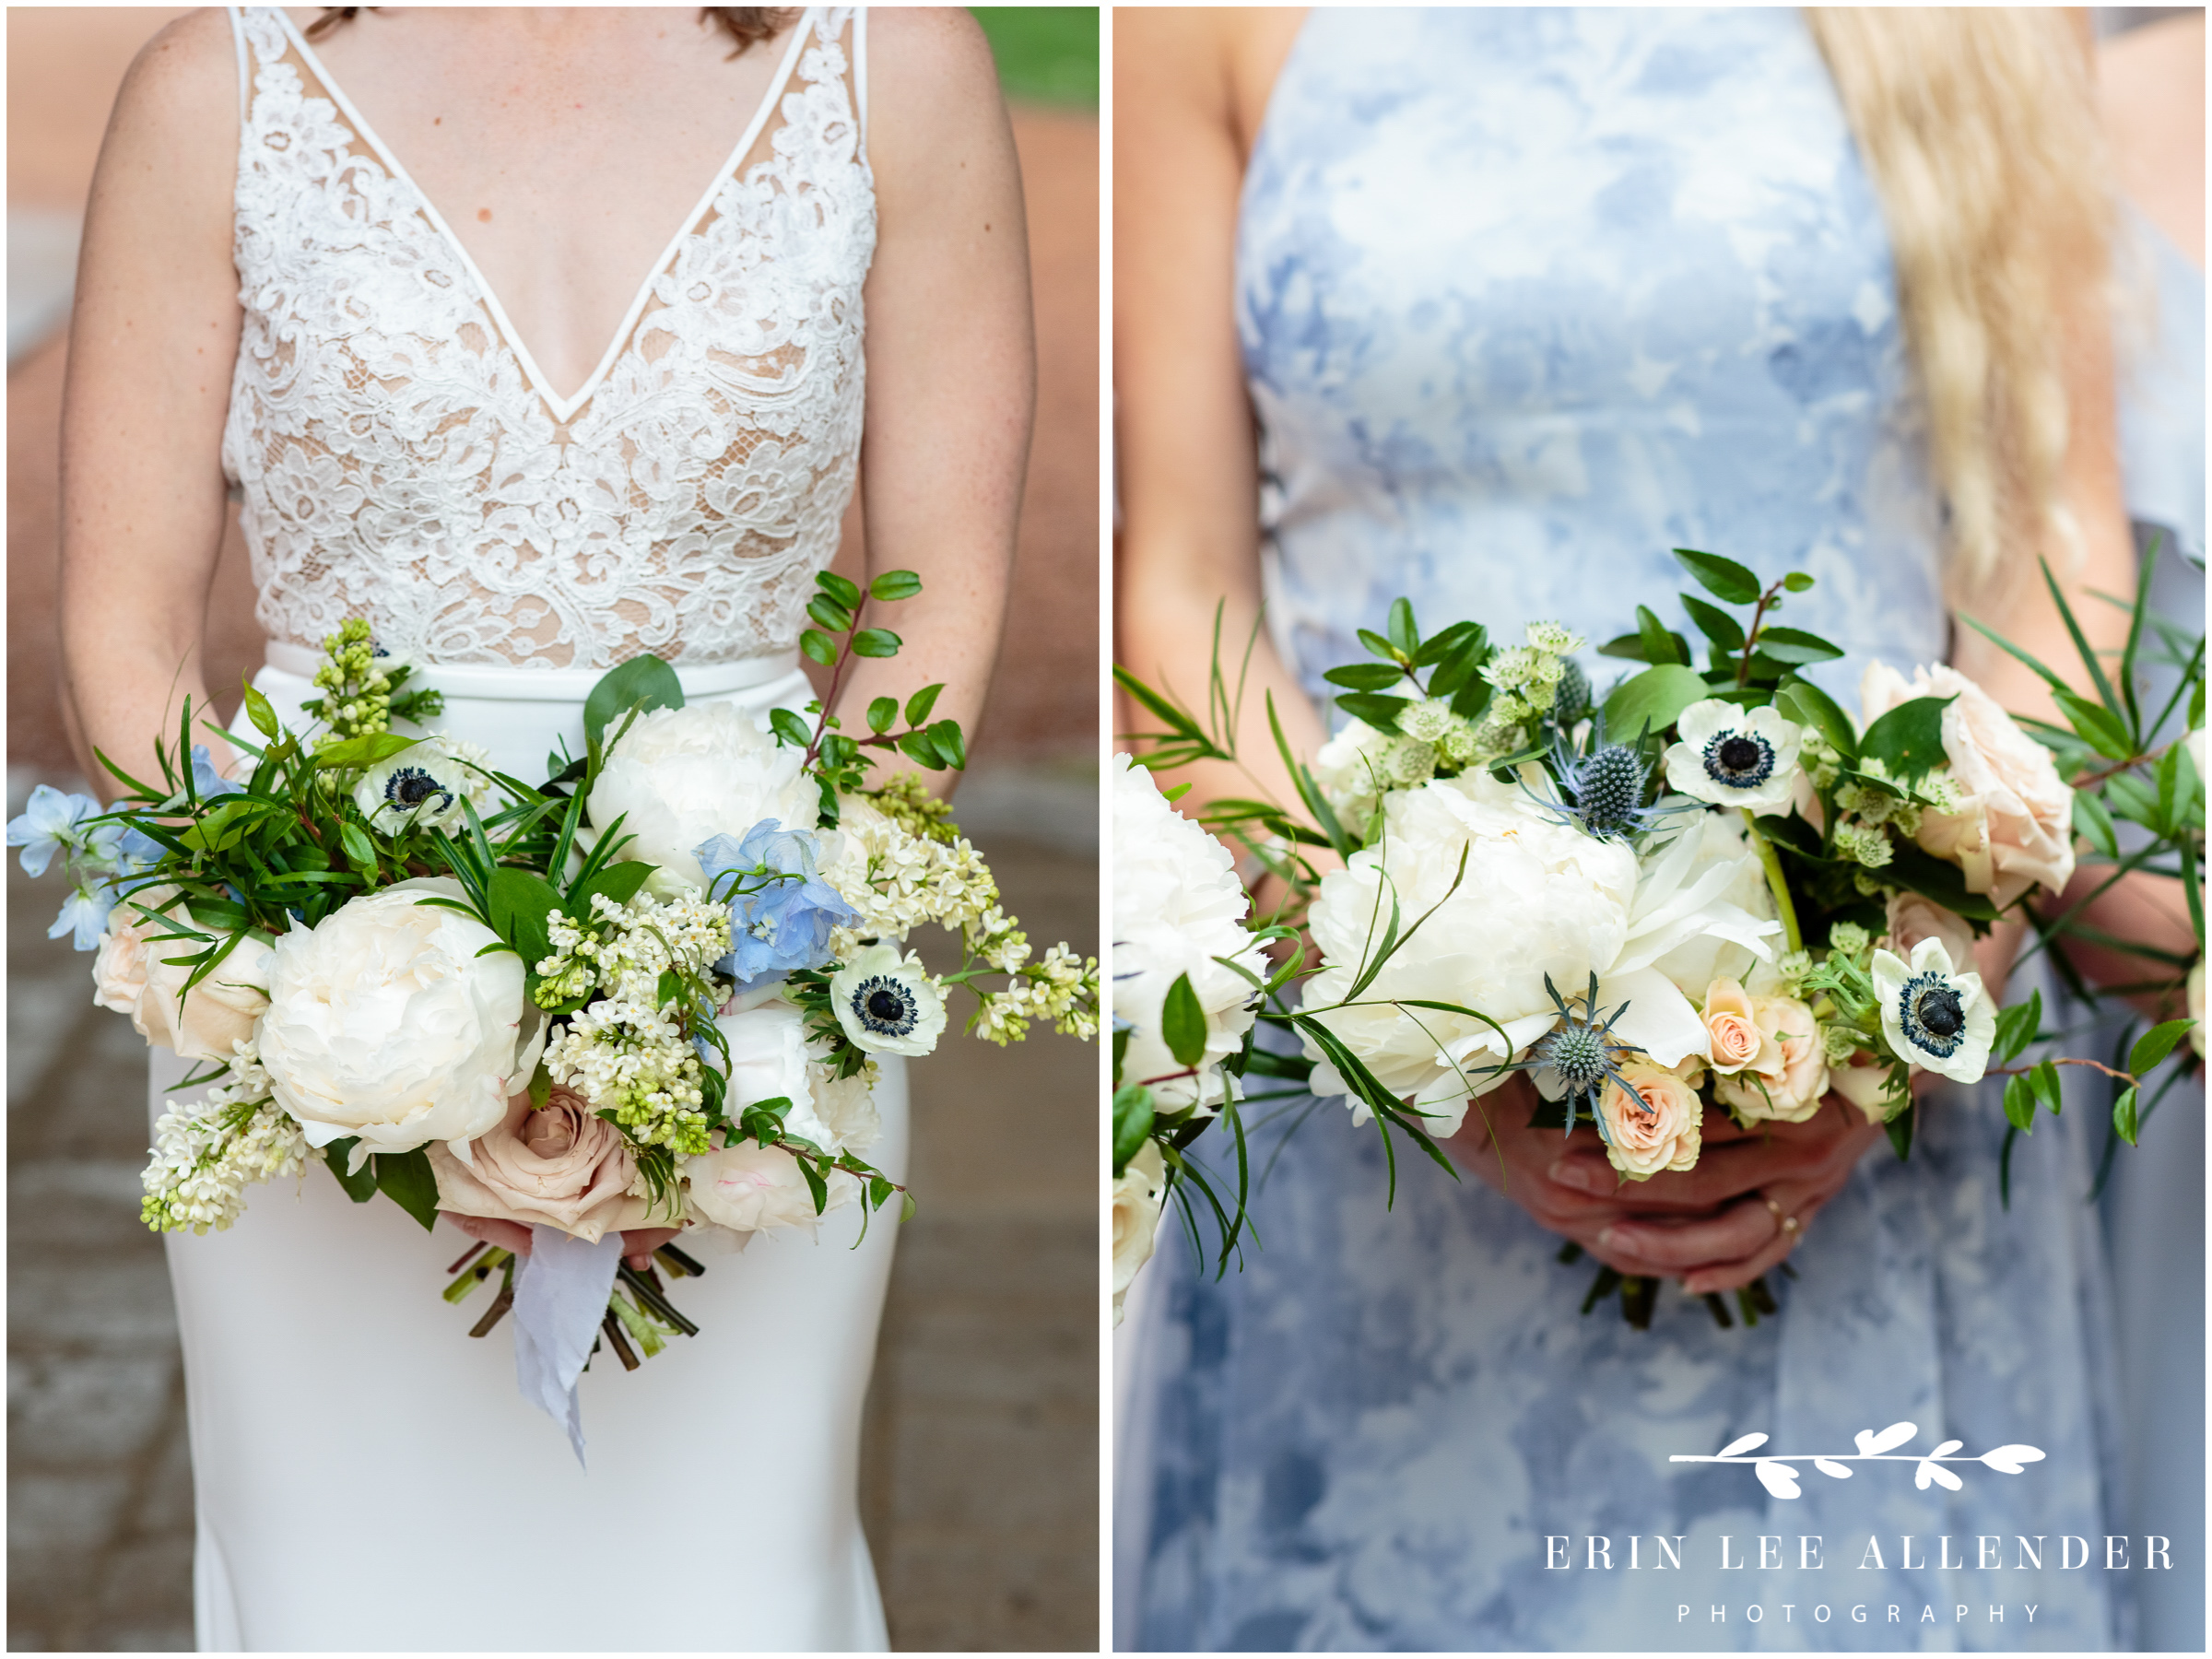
860, 70
245, 72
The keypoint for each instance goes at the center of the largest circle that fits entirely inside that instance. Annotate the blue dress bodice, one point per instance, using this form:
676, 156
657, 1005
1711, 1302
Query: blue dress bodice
1527, 298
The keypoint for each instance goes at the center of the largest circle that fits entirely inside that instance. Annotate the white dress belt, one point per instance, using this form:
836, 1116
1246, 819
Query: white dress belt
522, 683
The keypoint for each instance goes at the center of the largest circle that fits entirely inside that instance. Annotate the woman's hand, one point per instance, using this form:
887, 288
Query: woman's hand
1715, 1228
638, 1242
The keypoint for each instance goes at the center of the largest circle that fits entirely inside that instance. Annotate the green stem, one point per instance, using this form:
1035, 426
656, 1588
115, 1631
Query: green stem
1771, 863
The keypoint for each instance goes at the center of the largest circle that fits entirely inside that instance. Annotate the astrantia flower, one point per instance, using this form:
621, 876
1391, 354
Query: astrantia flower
1935, 1019
1734, 756
1177, 906
887, 1003
424, 786
781, 920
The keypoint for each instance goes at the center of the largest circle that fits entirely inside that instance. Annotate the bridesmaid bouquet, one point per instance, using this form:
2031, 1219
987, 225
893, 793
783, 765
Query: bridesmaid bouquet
648, 992
1710, 888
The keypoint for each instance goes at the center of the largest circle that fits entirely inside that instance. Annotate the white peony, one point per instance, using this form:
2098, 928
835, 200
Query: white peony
1721, 842
1734, 757
386, 1023
679, 777
1940, 1020
749, 1188
771, 1056
429, 786
1539, 898
1177, 905
1139, 1196
2196, 1006
887, 1002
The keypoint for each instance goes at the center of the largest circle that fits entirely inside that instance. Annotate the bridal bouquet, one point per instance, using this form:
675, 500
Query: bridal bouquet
1710, 888
650, 992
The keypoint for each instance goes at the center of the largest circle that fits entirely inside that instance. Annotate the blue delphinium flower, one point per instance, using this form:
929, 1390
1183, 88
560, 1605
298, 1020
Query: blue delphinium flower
50, 822
85, 915
206, 780
780, 909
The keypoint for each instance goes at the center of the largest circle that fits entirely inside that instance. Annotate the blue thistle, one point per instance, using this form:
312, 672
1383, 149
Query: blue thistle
1602, 792
1585, 1052
1570, 700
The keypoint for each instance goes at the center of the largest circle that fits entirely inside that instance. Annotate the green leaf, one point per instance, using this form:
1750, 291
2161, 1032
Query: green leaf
1131, 1123
1403, 633
358, 848
1715, 624
876, 642
619, 882
2016, 1030
2124, 1116
261, 713
814, 1184
363, 751
360, 1187
945, 736
2019, 1104
919, 705
2095, 824
818, 647
1367, 677
1907, 740
1806, 703
1655, 699
2043, 1081
2155, 1044
1630, 646
520, 901
1798, 581
1382, 712
906, 1209
405, 1179
1183, 1022
829, 614
1438, 646
1659, 644
894, 585
787, 725
842, 589
920, 748
2100, 727
881, 712
642, 682
1721, 577
2081, 644
1795, 645
1380, 646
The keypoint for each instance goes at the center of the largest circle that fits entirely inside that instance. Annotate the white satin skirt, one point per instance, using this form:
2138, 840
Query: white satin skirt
367, 1477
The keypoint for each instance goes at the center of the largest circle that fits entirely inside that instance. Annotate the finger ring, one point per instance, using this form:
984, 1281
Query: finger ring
1788, 1223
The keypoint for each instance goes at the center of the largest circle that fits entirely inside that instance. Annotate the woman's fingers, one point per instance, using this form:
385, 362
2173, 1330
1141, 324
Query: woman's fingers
639, 1243
1683, 1246
506, 1235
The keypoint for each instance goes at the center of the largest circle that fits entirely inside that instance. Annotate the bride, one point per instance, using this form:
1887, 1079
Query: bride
536, 337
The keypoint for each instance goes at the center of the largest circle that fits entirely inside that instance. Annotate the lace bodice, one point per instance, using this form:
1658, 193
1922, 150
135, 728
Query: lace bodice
400, 456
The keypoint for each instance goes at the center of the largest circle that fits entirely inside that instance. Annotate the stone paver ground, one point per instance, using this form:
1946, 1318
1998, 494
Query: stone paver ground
980, 1460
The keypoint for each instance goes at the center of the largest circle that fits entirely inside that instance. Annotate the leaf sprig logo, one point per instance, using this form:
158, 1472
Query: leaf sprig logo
1776, 1475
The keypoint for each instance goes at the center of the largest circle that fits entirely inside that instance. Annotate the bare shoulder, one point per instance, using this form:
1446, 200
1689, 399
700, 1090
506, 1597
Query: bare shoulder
184, 74
927, 67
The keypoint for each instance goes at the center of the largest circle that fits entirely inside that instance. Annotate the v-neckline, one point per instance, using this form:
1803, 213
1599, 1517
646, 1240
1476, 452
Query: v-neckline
563, 408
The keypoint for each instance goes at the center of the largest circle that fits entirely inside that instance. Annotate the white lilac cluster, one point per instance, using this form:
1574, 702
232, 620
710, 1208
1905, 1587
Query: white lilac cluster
206, 1152
627, 1051
899, 881
1061, 986
1178, 907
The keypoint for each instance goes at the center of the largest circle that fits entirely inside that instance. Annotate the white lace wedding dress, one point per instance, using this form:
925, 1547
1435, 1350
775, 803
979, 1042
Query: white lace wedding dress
367, 1477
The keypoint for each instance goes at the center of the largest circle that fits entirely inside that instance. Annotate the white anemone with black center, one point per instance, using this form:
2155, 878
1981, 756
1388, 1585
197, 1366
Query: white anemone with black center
887, 1002
1734, 756
425, 785
1935, 1017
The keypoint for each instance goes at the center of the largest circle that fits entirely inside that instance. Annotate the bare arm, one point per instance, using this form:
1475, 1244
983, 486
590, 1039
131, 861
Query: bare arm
152, 343
1189, 470
952, 362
